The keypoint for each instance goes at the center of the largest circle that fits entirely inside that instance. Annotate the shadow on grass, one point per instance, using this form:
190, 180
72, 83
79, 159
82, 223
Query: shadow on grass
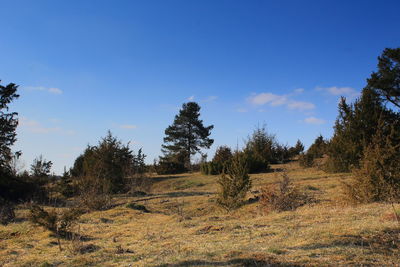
174, 194
384, 242
245, 262
166, 178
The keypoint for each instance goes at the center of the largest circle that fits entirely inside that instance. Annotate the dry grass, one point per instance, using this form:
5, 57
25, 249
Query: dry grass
185, 228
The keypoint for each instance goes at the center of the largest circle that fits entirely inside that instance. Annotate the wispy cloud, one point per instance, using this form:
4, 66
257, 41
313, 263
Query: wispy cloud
348, 92
211, 98
128, 126
51, 90
190, 98
34, 126
313, 120
298, 90
279, 100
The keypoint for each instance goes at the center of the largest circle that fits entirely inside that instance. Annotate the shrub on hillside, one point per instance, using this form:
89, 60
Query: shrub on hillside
282, 197
60, 223
169, 167
306, 160
378, 178
222, 157
234, 184
94, 194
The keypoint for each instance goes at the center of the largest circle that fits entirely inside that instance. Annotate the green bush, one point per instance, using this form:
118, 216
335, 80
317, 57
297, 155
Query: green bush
59, 223
234, 184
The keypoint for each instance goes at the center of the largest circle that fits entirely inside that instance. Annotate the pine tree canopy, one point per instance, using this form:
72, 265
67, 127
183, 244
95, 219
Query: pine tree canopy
187, 134
386, 81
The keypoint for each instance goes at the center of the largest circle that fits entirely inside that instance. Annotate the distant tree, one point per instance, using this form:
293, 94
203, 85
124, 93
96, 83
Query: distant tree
318, 148
187, 135
108, 163
222, 154
386, 81
8, 125
297, 149
259, 150
221, 160
40, 167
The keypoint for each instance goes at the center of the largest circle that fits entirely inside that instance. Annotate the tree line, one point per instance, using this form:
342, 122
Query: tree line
366, 142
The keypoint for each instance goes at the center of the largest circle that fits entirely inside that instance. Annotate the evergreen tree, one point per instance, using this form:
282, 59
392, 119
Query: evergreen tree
378, 178
8, 125
107, 164
187, 135
259, 150
235, 183
354, 129
40, 167
386, 81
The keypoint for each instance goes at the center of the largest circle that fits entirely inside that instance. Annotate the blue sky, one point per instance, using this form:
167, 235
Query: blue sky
88, 66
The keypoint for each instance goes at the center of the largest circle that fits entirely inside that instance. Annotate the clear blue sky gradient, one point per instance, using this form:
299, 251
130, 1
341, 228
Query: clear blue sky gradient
128, 66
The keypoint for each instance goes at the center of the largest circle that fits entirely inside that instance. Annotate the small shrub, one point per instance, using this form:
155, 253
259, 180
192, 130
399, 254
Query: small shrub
7, 214
94, 194
234, 184
283, 197
60, 223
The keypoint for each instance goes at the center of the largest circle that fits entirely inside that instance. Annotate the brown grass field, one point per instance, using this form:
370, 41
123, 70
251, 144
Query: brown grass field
185, 228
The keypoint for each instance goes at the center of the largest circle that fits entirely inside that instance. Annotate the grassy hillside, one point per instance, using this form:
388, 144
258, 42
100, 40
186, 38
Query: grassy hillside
184, 227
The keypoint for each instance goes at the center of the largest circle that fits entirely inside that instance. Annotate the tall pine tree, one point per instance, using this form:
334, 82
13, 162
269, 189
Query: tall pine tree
187, 135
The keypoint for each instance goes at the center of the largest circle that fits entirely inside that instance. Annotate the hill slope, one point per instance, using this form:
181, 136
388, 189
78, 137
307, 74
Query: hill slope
184, 227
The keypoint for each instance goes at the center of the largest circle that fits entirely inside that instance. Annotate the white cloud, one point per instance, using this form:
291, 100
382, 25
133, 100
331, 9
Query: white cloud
299, 105
298, 90
34, 126
191, 98
56, 91
279, 100
211, 98
349, 92
313, 120
51, 90
128, 126
241, 110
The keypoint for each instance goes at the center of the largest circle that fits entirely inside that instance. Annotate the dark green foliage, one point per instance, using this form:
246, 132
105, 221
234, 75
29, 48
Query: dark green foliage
306, 160
187, 135
283, 197
11, 187
297, 149
222, 157
7, 214
211, 168
354, 130
171, 164
317, 150
386, 81
109, 163
378, 178
235, 183
258, 150
41, 167
8, 124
